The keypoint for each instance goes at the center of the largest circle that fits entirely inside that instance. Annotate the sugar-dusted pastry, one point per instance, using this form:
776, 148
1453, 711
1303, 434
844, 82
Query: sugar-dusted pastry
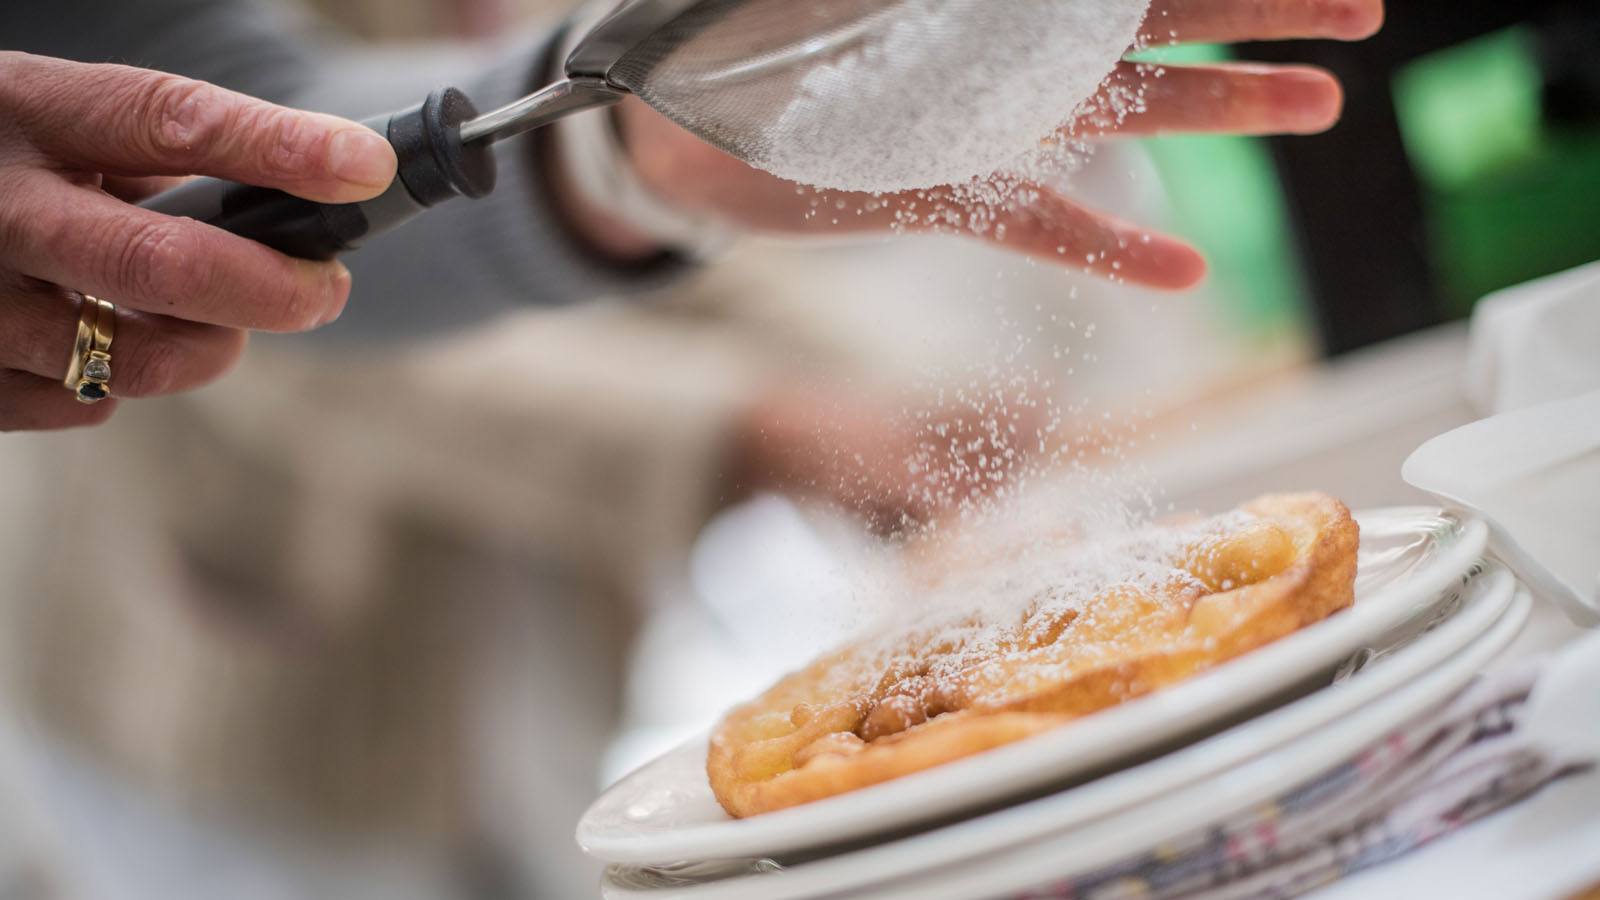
1028, 644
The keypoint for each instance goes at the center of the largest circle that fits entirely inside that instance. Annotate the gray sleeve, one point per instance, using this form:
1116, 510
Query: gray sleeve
459, 263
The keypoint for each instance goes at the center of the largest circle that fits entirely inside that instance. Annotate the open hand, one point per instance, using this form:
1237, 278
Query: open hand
1249, 99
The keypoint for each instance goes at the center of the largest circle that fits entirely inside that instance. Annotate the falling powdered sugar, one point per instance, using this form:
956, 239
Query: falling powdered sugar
1002, 591
1058, 605
948, 91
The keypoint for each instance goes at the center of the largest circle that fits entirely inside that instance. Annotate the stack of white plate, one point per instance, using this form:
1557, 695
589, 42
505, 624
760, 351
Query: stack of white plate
1429, 614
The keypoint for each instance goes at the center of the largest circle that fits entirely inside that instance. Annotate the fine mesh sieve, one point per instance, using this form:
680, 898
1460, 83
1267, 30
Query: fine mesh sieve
872, 95
732, 71
855, 94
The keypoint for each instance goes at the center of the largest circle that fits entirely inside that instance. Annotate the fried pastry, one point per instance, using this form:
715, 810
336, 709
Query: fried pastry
1004, 653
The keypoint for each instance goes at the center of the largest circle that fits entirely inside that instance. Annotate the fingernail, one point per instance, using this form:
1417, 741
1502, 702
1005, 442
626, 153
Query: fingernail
339, 291
361, 156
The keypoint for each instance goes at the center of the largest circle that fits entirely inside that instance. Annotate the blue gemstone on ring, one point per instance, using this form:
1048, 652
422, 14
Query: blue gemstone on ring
89, 392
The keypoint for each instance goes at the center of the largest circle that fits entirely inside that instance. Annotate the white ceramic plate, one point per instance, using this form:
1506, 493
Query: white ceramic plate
664, 813
1133, 831
1476, 609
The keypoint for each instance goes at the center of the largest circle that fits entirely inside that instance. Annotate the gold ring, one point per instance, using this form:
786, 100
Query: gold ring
89, 372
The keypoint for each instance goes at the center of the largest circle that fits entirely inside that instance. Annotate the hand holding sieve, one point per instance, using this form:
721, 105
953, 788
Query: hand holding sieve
719, 68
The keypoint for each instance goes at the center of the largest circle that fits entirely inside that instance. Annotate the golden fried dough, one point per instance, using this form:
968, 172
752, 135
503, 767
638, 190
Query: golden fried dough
1006, 653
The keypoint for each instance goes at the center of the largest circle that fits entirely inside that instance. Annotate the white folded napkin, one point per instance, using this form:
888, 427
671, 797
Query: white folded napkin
1536, 343
1532, 470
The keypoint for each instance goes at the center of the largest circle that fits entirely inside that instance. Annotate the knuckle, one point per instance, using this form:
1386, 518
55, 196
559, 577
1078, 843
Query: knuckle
286, 146
181, 117
154, 262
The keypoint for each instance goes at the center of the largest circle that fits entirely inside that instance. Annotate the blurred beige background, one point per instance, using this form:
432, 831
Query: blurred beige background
384, 598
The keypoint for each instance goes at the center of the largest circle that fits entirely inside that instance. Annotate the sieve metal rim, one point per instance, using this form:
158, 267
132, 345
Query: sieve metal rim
633, 22
620, 32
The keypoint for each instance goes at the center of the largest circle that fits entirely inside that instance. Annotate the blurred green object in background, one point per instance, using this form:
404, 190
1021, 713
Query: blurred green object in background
1510, 196
1227, 199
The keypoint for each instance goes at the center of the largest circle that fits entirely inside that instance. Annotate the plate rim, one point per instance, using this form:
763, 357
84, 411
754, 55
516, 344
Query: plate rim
1191, 703
1260, 780
1493, 592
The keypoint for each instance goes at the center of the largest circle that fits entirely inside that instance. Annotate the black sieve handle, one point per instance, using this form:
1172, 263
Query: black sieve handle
435, 166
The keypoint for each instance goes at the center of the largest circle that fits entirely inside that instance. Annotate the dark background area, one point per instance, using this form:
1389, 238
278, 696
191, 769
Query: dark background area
1374, 234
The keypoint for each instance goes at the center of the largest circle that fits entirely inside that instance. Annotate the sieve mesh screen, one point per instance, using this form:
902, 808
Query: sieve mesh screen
728, 70
878, 94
